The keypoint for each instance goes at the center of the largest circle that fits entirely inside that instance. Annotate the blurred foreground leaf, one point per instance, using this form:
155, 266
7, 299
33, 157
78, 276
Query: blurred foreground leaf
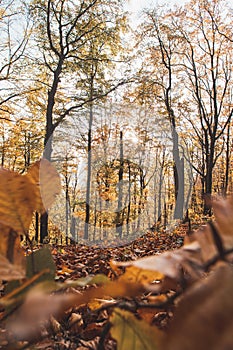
203, 319
17, 200
40, 260
131, 333
12, 259
20, 196
47, 183
39, 305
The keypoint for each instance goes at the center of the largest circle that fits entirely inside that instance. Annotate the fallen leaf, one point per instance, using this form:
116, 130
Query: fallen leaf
168, 264
131, 333
203, 319
64, 270
223, 212
95, 304
17, 200
40, 260
135, 274
12, 259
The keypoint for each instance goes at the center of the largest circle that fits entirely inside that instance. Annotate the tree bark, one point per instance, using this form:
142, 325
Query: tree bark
119, 218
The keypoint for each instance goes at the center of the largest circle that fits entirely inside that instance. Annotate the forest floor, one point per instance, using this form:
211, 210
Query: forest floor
87, 327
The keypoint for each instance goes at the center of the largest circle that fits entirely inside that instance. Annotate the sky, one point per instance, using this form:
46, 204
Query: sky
136, 6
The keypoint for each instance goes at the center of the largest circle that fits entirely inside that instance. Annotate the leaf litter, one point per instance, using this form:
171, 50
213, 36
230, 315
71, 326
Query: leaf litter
154, 293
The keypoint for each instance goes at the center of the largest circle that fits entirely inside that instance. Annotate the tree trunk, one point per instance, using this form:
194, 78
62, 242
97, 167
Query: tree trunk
227, 161
119, 218
178, 176
209, 181
89, 159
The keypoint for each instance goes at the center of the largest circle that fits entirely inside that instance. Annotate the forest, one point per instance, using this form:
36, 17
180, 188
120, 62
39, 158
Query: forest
116, 175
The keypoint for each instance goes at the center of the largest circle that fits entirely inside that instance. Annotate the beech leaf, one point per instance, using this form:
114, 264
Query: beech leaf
131, 333
168, 264
135, 274
46, 180
40, 260
17, 200
12, 259
203, 319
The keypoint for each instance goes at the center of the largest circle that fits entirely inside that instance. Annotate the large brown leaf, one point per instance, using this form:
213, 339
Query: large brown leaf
12, 259
17, 200
168, 264
216, 238
20, 196
47, 182
203, 319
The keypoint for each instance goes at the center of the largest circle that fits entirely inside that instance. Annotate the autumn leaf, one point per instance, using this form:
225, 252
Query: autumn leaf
21, 195
65, 270
12, 259
47, 182
17, 200
168, 264
40, 260
131, 333
16, 295
203, 319
135, 274
95, 304
39, 304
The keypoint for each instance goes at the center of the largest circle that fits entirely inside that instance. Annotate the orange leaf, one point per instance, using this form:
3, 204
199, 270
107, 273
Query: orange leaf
17, 200
47, 181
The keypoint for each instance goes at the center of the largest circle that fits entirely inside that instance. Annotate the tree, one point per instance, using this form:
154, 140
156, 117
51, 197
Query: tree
207, 63
157, 82
190, 72
65, 31
14, 40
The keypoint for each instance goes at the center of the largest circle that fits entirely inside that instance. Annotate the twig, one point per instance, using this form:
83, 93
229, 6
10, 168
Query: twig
103, 336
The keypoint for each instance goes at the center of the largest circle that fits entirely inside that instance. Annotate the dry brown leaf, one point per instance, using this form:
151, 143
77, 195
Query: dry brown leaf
168, 264
204, 237
12, 259
203, 319
9, 271
17, 200
134, 274
45, 177
223, 212
216, 237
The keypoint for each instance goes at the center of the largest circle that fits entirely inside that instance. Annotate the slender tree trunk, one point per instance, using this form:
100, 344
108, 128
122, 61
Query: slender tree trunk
159, 207
48, 137
89, 159
73, 228
129, 200
67, 208
209, 178
227, 161
119, 218
178, 176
